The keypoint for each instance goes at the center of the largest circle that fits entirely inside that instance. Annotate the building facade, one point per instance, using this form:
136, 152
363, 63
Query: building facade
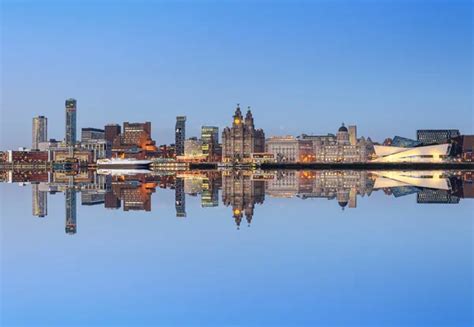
342, 147
242, 139
180, 135
71, 127
210, 143
436, 136
290, 149
88, 134
39, 131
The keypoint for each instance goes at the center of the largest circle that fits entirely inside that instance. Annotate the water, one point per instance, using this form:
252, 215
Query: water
247, 249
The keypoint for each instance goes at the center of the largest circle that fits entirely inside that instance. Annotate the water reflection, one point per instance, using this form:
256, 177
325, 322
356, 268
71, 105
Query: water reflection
240, 190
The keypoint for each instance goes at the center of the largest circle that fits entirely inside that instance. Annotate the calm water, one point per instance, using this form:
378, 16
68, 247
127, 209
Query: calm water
246, 249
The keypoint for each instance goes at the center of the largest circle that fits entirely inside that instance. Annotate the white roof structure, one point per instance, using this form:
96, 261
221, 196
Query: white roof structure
428, 154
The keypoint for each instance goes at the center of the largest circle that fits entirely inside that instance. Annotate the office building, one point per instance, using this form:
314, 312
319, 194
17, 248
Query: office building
290, 149
210, 143
112, 131
88, 134
180, 197
180, 135
436, 136
71, 128
71, 211
242, 139
39, 131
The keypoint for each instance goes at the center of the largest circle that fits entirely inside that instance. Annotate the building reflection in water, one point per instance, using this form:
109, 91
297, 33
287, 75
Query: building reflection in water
241, 189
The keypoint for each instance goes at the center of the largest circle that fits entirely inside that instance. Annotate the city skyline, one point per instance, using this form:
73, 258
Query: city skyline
390, 62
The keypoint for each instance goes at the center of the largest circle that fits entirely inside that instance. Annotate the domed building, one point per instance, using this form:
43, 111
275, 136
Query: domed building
342, 147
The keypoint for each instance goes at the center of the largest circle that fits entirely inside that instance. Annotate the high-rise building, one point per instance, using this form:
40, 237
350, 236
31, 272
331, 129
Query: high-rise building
71, 128
242, 139
71, 224
180, 135
435, 136
39, 131
39, 201
180, 198
210, 142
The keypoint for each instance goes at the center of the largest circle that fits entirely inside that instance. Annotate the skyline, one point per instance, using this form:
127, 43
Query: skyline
326, 63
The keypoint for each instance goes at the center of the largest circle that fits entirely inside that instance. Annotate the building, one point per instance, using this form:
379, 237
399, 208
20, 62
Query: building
210, 143
352, 134
342, 147
180, 135
27, 157
427, 154
242, 139
111, 132
83, 156
463, 147
39, 201
241, 192
135, 140
180, 198
436, 136
71, 211
100, 148
39, 131
290, 149
71, 128
88, 134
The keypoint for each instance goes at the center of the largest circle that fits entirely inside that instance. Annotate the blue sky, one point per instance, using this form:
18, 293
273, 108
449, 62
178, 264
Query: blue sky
390, 67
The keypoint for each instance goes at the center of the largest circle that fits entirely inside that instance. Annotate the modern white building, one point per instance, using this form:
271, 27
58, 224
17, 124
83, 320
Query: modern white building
427, 154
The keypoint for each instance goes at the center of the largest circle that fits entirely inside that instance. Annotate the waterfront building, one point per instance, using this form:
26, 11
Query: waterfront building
193, 147
427, 154
100, 148
134, 142
27, 157
290, 149
241, 192
39, 201
427, 196
39, 131
436, 136
71, 128
242, 139
210, 143
89, 133
180, 135
342, 147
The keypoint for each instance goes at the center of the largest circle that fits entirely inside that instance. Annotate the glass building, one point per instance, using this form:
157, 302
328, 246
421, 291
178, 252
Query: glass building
436, 136
71, 128
180, 134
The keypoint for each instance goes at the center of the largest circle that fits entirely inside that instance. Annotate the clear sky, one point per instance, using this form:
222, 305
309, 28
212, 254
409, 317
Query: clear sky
388, 66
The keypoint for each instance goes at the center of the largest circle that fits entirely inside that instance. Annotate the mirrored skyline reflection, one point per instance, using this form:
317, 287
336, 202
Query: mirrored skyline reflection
241, 191
401, 257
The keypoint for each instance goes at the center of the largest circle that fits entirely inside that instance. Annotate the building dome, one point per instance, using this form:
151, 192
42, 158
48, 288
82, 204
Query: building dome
342, 203
343, 128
